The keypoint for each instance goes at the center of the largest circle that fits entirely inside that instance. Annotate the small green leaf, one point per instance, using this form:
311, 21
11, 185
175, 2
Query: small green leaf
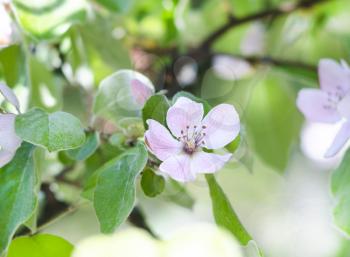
151, 183
224, 214
156, 109
18, 196
115, 100
87, 149
40, 245
177, 193
114, 194
340, 186
233, 146
55, 131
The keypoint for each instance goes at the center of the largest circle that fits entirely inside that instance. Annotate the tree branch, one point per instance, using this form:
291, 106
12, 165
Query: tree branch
234, 22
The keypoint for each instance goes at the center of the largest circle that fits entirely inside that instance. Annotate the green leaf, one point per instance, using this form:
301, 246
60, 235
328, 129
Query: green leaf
178, 194
273, 130
40, 245
340, 185
105, 54
87, 149
151, 183
224, 214
233, 146
114, 195
114, 99
49, 19
116, 5
55, 131
45, 89
17, 193
12, 65
156, 109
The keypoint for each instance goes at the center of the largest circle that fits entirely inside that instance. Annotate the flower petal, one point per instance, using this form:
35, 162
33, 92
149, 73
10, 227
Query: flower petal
178, 167
140, 91
9, 95
183, 113
9, 141
313, 104
333, 76
222, 126
340, 140
344, 107
5, 157
160, 142
202, 162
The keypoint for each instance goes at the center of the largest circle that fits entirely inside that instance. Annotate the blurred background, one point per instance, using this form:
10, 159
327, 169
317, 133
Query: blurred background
254, 54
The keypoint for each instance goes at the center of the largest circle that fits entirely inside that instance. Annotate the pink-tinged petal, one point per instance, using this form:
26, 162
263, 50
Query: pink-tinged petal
340, 140
222, 126
333, 76
178, 167
9, 95
344, 107
313, 103
184, 113
5, 157
160, 142
202, 162
140, 91
9, 141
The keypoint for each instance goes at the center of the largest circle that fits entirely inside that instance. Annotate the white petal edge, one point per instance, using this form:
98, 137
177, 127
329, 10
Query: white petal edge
202, 162
183, 113
222, 126
340, 140
178, 167
160, 142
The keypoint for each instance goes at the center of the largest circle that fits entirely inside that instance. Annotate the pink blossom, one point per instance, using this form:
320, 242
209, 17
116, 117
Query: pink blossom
9, 141
141, 91
330, 103
6, 26
181, 151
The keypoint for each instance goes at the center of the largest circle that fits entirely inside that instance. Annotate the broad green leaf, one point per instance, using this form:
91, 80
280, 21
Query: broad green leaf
114, 99
156, 109
340, 186
224, 214
273, 121
55, 131
114, 195
151, 183
51, 18
87, 149
43, 245
116, 5
17, 193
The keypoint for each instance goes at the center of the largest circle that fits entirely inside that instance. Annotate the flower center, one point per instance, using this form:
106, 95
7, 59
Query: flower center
334, 97
192, 138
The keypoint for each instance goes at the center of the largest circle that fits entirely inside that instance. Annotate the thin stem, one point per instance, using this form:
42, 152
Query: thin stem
274, 12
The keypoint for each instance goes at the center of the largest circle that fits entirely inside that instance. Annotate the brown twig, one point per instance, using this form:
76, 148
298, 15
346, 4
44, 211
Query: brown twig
234, 22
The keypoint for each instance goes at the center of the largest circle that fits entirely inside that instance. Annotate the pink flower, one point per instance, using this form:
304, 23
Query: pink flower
330, 103
9, 141
141, 91
182, 150
6, 26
